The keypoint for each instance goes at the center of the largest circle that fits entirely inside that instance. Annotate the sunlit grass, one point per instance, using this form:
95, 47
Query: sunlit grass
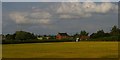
62, 50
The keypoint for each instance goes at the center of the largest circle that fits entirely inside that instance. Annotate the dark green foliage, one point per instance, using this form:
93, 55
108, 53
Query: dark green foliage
83, 33
10, 36
114, 35
27, 37
22, 35
52, 37
76, 35
115, 31
100, 34
111, 38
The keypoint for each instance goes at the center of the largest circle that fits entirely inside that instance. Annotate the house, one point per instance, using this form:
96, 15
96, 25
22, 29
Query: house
47, 37
43, 37
62, 36
40, 38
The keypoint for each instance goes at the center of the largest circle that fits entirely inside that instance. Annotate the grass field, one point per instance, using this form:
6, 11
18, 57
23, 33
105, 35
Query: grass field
62, 50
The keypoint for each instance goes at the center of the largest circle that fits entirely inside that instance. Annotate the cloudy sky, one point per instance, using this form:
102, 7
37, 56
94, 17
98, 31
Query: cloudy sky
59, 0
53, 17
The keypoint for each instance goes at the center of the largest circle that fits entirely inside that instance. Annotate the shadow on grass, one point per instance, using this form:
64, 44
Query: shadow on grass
53, 56
110, 56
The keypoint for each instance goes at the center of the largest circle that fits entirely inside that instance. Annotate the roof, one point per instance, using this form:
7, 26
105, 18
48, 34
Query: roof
63, 34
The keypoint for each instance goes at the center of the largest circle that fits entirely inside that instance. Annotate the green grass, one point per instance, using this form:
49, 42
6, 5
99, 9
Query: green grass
62, 50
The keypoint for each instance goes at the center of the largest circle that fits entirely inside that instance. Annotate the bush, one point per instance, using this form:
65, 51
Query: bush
111, 38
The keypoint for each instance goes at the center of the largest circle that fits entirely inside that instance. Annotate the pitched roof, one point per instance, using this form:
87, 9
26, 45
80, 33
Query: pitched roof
63, 34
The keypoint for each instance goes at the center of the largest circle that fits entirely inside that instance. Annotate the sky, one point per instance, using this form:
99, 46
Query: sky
59, 0
0, 18
53, 17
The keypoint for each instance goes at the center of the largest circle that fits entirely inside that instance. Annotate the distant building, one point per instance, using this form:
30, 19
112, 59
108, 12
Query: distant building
40, 38
62, 36
43, 37
47, 37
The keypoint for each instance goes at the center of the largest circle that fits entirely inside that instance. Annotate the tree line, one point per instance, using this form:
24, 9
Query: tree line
23, 36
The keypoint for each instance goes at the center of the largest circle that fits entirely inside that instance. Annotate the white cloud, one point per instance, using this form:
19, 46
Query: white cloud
44, 21
85, 9
62, 10
67, 16
92, 7
42, 14
31, 17
18, 17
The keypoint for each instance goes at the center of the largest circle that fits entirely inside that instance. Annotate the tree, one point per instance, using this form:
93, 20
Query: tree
83, 33
22, 35
76, 35
99, 34
93, 35
115, 31
10, 36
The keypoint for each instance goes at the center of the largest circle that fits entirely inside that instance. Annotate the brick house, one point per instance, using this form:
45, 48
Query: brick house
60, 36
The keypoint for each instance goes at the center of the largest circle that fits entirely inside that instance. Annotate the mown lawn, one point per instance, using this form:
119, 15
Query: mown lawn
61, 50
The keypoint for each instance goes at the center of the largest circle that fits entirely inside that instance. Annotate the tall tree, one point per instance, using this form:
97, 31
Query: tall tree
84, 33
76, 36
115, 31
99, 34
